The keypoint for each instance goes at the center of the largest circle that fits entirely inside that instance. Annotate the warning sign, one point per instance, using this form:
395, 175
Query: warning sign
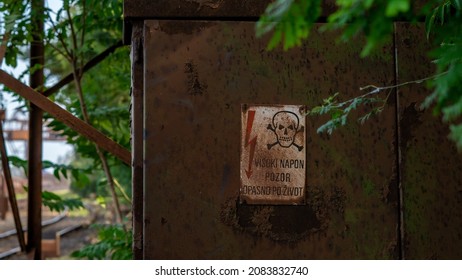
273, 154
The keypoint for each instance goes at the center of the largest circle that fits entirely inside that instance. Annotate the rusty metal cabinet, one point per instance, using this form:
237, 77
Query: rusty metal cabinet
364, 190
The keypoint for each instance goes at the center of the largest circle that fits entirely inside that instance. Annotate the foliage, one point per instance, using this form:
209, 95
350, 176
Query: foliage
444, 27
291, 21
74, 34
108, 108
114, 243
49, 199
17, 27
290, 18
73, 45
373, 18
339, 111
56, 203
59, 170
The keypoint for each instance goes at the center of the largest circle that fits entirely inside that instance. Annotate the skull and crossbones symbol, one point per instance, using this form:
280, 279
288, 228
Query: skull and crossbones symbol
285, 126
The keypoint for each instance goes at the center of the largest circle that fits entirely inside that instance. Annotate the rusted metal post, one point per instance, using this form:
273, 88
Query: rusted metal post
137, 138
11, 192
3, 199
3, 202
34, 217
65, 117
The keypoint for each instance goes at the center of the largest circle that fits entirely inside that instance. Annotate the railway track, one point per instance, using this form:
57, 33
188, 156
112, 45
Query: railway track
53, 229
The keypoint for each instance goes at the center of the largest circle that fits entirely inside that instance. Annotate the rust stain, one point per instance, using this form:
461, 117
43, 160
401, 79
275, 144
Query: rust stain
410, 121
195, 86
280, 223
337, 199
285, 223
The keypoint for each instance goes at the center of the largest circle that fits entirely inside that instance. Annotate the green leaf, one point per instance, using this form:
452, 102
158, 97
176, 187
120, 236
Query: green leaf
335, 114
456, 135
274, 14
316, 110
457, 4
64, 172
429, 22
114, 243
275, 39
56, 174
370, 45
394, 7
331, 98
364, 118
442, 12
56, 203
291, 21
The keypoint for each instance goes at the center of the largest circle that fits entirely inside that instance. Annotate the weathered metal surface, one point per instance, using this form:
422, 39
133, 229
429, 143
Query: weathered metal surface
137, 124
197, 75
199, 9
148, 9
273, 154
431, 167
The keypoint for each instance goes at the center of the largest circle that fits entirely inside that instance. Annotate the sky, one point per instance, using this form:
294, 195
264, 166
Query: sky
53, 151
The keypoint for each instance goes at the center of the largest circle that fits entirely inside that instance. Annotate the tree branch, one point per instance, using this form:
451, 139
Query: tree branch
5, 39
90, 64
73, 33
82, 38
377, 89
86, 118
59, 51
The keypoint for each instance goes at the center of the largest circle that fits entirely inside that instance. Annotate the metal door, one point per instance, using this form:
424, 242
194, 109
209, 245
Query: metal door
196, 76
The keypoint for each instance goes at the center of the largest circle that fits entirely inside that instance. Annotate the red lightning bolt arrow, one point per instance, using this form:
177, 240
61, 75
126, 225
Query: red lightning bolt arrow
252, 143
